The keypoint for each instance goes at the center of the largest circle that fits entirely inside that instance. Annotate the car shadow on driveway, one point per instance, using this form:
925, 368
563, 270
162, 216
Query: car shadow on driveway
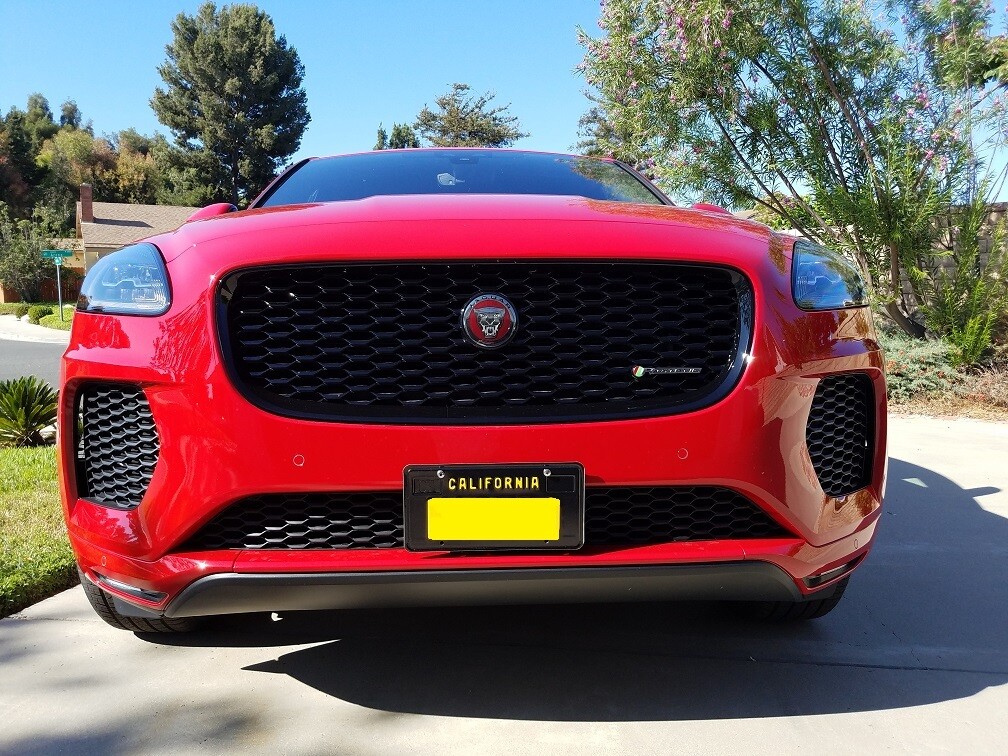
923, 621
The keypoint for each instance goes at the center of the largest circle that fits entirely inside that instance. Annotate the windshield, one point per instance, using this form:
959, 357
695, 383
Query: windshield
492, 171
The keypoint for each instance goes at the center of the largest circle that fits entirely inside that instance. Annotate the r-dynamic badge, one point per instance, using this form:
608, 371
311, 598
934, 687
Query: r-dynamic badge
639, 371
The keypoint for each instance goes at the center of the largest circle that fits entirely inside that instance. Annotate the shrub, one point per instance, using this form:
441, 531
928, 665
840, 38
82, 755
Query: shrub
53, 321
37, 312
915, 367
986, 386
965, 302
27, 410
21, 310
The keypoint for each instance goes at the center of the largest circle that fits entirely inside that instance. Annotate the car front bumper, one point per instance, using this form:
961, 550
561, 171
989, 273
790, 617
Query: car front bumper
216, 448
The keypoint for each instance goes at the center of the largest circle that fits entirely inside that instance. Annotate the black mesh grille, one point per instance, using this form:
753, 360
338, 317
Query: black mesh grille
361, 520
623, 516
839, 433
613, 517
385, 342
117, 445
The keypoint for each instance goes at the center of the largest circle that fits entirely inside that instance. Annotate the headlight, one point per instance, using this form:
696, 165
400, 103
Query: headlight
132, 281
825, 280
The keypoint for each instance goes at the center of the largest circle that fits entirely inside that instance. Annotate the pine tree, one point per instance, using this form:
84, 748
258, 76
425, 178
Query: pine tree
466, 120
233, 96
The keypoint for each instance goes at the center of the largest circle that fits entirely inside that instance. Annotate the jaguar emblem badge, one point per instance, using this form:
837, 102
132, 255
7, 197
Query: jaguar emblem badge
489, 320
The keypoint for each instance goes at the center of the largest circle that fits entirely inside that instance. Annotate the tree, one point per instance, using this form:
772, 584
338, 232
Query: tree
403, 137
138, 176
22, 266
233, 95
20, 177
853, 134
38, 121
70, 115
74, 157
466, 120
381, 143
184, 175
14, 189
597, 137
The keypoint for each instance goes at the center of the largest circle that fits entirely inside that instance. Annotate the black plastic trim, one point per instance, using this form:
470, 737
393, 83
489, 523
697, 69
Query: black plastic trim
234, 593
481, 416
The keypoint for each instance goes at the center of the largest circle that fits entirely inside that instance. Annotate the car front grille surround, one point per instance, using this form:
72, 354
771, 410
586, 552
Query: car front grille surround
385, 343
840, 432
117, 444
614, 516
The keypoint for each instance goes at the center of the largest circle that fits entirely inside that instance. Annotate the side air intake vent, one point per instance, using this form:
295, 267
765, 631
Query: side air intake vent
840, 433
117, 444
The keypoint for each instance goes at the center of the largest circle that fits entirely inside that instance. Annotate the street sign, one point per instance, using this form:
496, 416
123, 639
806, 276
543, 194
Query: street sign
57, 255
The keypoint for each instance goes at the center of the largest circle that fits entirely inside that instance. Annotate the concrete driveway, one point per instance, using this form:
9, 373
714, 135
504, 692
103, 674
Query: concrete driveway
914, 659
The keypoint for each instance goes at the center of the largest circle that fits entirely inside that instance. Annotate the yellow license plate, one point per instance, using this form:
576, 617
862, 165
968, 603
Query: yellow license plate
490, 519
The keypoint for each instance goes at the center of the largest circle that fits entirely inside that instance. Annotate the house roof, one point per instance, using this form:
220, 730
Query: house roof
117, 224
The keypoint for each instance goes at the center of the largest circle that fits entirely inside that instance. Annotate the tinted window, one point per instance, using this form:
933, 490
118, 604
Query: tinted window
353, 177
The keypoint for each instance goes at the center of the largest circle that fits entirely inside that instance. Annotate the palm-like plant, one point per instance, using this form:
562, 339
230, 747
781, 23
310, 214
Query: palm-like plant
27, 410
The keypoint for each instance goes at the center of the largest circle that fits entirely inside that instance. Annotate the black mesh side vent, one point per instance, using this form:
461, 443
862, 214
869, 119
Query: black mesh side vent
840, 433
374, 520
117, 444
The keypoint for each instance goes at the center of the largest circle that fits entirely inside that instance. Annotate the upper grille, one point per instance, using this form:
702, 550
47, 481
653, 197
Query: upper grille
117, 445
840, 432
374, 520
384, 341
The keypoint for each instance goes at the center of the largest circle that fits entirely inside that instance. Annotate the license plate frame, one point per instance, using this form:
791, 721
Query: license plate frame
468, 484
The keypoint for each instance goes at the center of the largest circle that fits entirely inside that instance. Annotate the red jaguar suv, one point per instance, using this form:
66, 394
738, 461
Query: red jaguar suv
468, 376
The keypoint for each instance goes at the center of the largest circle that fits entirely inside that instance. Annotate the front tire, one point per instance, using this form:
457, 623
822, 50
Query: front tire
104, 607
797, 611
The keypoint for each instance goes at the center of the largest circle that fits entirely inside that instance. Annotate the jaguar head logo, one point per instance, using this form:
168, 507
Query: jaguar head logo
489, 320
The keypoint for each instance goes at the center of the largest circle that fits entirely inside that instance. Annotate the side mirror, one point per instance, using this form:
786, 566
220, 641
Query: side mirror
211, 211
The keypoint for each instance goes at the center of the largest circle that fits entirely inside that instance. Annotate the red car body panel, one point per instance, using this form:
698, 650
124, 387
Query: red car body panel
217, 447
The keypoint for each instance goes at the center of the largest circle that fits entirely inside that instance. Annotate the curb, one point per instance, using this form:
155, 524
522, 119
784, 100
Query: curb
13, 329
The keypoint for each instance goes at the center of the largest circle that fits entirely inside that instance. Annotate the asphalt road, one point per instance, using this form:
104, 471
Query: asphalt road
18, 358
914, 659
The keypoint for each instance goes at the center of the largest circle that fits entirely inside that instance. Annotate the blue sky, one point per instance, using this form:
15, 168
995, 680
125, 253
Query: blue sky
365, 62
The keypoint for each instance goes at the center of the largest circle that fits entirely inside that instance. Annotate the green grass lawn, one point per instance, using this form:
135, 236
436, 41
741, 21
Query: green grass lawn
35, 557
53, 321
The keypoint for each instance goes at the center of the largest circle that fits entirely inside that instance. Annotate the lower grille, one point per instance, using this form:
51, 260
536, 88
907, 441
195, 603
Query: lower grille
117, 444
637, 516
374, 520
840, 433
364, 520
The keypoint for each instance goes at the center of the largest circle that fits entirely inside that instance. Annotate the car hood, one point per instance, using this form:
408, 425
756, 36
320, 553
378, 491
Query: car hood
536, 222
